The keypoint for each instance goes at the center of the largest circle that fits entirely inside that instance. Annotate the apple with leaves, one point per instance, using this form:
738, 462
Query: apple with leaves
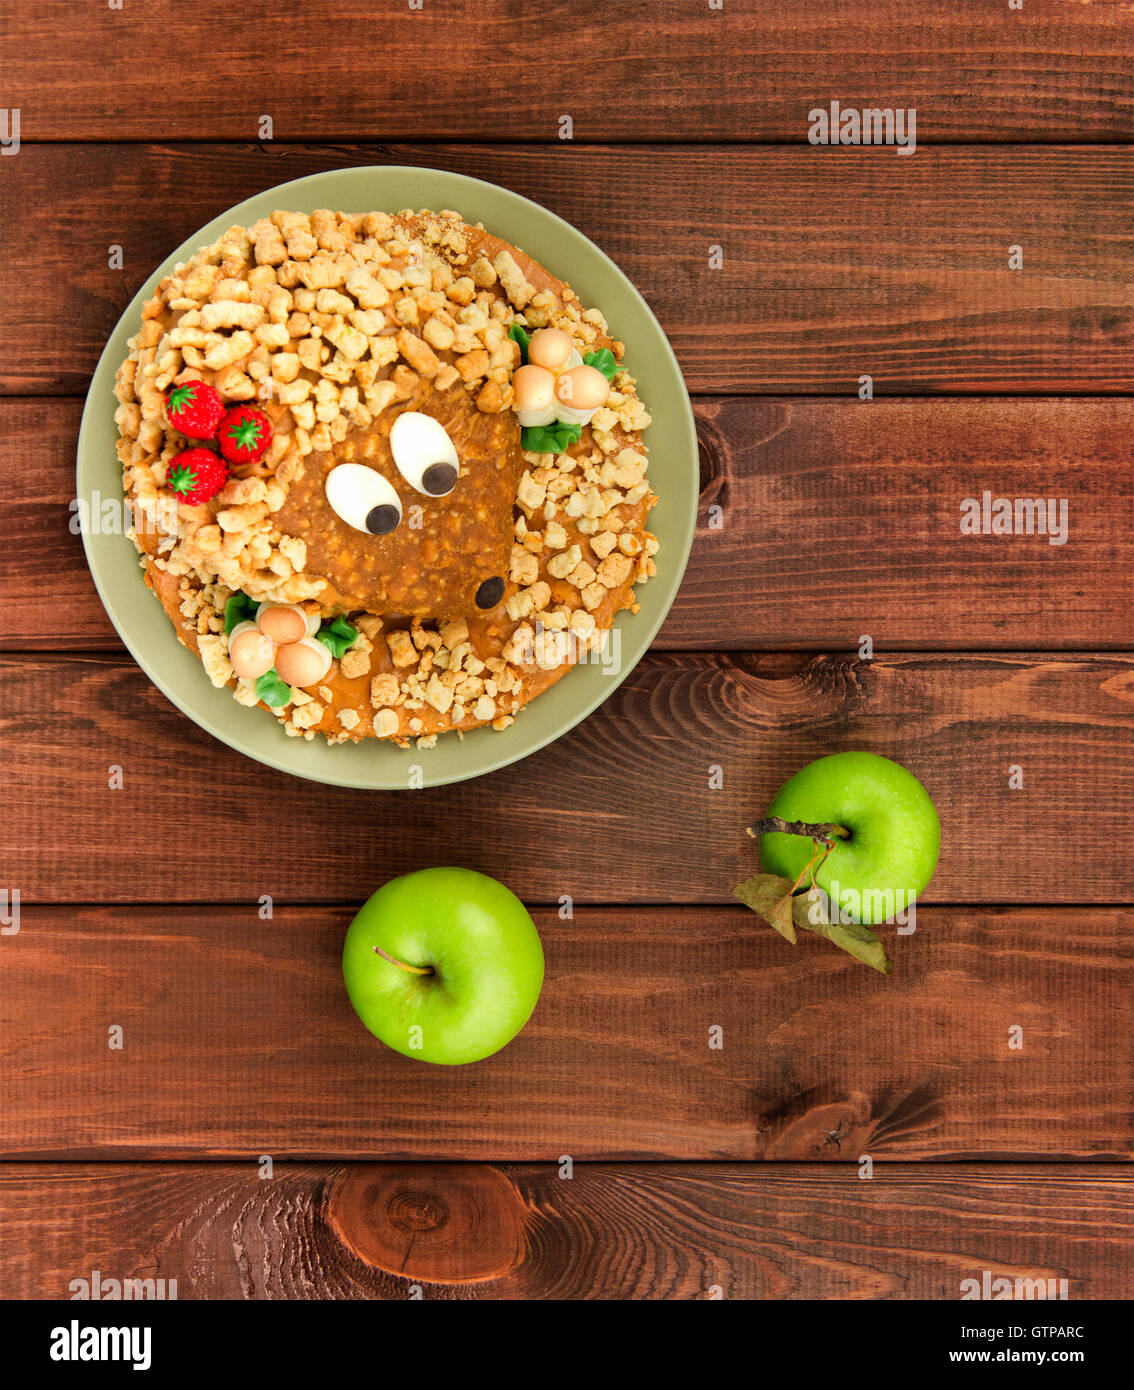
849, 841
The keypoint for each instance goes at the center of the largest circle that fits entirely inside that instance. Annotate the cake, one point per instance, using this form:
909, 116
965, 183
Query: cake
386, 472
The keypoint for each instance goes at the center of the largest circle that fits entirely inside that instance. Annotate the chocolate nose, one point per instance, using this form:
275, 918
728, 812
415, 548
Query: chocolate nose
490, 593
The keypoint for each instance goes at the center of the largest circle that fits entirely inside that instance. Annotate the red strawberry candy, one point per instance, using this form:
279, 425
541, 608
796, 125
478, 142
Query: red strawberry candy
194, 409
244, 434
196, 475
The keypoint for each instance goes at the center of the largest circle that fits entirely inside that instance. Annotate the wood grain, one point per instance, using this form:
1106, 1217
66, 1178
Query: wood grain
692, 1231
238, 1039
346, 71
820, 521
836, 263
632, 782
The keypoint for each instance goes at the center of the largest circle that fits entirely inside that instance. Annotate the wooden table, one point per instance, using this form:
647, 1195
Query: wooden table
695, 1172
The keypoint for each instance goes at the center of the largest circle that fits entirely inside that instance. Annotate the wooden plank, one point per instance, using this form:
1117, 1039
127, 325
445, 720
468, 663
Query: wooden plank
842, 518
687, 72
836, 519
691, 1231
836, 263
238, 1040
634, 779
44, 577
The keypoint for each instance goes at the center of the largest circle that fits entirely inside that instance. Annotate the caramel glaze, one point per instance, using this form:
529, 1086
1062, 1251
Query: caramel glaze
487, 636
488, 632
457, 541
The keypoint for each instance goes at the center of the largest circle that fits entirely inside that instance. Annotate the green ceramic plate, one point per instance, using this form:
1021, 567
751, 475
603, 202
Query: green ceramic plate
146, 631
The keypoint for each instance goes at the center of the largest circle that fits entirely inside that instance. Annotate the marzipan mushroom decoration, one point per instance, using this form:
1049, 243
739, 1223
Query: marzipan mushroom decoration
556, 384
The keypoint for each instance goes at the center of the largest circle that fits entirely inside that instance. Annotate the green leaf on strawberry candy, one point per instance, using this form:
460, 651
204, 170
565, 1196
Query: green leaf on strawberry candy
272, 690
337, 636
181, 479
245, 434
549, 439
239, 609
769, 896
179, 396
521, 336
604, 361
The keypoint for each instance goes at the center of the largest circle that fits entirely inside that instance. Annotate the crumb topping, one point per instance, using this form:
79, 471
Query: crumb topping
331, 323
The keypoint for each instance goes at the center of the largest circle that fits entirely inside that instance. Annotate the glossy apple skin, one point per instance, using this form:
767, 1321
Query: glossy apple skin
895, 833
480, 941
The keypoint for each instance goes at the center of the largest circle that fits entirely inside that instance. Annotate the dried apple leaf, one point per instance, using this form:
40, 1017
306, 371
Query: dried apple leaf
769, 896
852, 937
863, 944
772, 898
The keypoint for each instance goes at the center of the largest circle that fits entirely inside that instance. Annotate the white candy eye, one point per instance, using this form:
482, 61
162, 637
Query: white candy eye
424, 454
363, 498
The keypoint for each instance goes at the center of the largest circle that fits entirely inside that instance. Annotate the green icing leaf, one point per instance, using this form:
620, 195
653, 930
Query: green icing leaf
549, 439
604, 361
239, 609
519, 335
338, 636
272, 690
178, 397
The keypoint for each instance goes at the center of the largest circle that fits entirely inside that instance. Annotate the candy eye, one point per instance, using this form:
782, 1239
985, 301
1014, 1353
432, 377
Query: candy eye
363, 498
424, 454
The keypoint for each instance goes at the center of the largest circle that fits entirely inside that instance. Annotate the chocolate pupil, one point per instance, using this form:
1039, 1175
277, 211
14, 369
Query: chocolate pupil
438, 479
380, 521
490, 593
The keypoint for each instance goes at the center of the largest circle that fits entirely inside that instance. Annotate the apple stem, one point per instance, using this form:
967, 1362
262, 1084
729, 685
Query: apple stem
825, 834
412, 969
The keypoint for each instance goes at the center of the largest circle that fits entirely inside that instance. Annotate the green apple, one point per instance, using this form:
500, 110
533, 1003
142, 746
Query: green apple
886, 840
444, 965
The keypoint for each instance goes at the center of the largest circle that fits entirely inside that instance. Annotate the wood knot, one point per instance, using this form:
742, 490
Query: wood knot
711, 451
416, 1211
812, 1126
442, 1223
